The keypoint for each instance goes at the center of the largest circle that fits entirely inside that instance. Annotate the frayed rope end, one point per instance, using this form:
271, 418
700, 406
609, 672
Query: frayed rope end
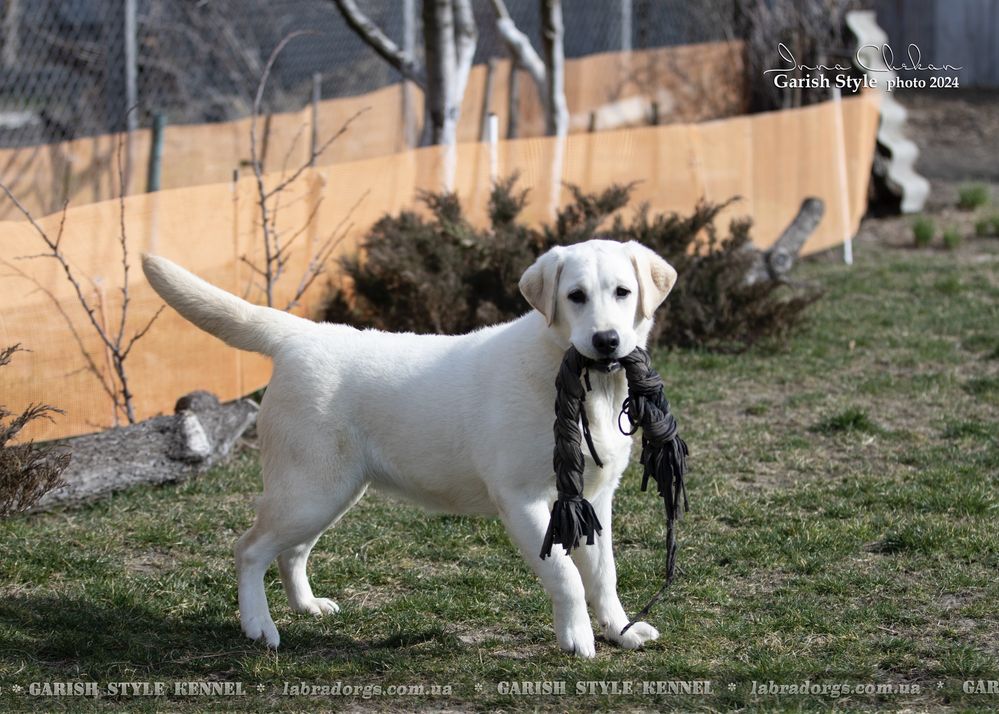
572, 519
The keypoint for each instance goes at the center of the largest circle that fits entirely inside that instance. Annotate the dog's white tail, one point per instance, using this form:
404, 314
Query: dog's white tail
235, 321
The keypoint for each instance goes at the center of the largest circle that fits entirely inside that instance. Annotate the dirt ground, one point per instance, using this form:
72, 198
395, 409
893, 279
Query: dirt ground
957, 132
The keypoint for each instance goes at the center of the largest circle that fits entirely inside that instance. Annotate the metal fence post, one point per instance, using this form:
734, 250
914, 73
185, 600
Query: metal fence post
156, 154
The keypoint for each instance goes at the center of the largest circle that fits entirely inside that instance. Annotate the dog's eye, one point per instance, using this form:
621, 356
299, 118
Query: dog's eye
622, 292
578, 297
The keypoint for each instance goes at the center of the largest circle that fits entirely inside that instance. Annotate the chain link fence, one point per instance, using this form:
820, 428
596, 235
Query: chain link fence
73, 68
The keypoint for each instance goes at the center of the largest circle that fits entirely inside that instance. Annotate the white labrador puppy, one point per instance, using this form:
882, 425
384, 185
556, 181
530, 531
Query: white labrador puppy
458, 424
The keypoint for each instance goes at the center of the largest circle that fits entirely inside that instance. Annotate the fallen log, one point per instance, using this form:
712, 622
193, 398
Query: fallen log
165, 449
776, 262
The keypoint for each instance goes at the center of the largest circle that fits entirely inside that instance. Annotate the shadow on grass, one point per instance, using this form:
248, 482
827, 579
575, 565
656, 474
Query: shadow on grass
101, 639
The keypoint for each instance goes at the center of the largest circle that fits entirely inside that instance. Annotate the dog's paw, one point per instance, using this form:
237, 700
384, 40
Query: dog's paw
318, 606
578, 641
257, 628
636, 636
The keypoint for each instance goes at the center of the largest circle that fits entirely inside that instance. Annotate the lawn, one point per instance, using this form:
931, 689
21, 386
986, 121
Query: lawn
842, 530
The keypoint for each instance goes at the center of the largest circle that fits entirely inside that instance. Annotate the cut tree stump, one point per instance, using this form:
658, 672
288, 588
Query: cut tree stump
776, 262
164, 449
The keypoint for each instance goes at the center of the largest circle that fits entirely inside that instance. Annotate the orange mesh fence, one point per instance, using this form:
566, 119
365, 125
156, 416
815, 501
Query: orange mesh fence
772, 160
687, 83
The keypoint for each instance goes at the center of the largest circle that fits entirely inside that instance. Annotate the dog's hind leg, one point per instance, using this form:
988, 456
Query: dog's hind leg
292, 564
285, 520
526, 524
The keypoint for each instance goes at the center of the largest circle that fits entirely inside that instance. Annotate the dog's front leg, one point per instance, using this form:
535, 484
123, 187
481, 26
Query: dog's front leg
527, 522
599, 574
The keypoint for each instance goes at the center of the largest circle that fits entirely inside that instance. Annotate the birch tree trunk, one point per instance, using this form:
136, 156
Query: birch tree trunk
466, 37
449, 39
548, 73
409, 49
552, 32
441, 58
377, 40
513, 101
10, 45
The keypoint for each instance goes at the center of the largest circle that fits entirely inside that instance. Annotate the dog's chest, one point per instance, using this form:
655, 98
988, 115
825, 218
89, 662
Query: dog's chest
603, 407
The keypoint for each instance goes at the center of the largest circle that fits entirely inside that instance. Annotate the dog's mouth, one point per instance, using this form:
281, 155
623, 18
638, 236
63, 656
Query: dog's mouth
607, 365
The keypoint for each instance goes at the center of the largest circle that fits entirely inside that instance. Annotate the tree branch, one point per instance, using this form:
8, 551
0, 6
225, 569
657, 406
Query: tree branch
256, 163
552, 32
124, 246
318, 263
55, 252
466, 37
141, 333
253, 267
519, 46
316, 153
377, 40
269, 200
91, 365
112, 339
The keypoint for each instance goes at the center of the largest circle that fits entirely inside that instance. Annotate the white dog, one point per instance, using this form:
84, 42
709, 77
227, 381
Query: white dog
459, 424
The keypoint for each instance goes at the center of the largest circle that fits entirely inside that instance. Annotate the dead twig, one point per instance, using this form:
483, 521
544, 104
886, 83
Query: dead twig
277, 248
91, 366
116, 344
318, 263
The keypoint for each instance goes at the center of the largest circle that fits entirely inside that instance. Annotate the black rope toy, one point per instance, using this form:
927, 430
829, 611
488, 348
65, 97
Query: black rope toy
664, 453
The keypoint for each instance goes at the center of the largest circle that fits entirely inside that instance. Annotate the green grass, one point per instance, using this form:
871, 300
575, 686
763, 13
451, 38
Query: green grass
842, 530
851, 419
923, 230
987, 227
972, 196
951, 239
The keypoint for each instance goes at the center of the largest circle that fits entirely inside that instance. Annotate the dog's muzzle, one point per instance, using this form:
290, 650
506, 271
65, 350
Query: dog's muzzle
607, 366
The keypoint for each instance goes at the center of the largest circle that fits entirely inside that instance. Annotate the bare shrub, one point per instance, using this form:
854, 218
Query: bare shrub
27, 471
277, 245
114, 339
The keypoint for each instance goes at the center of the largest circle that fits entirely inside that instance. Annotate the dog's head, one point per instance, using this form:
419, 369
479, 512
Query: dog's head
599, 295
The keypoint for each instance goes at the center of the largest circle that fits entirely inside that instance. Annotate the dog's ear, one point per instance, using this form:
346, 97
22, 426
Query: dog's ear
655, 276
539, 283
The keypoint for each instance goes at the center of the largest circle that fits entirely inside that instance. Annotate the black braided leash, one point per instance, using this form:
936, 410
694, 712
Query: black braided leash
664, 454
573, 516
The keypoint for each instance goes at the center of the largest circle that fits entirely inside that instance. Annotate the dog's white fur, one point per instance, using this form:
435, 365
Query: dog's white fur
459, 424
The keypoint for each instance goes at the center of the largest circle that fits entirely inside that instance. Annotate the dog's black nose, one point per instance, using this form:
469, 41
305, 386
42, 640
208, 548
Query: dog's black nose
606, 341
